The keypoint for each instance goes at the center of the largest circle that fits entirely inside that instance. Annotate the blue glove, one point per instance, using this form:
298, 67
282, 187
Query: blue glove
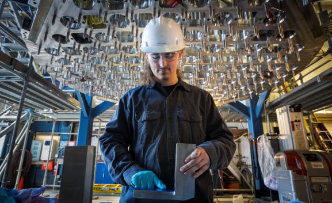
147, 180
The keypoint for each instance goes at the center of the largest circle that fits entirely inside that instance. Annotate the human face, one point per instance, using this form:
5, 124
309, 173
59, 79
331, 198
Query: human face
164, 66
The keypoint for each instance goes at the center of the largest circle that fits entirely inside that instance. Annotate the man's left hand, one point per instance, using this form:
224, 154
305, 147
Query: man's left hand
196, 163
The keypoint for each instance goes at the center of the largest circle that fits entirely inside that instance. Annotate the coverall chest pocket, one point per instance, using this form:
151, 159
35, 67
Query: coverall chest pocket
148, 126
190, 127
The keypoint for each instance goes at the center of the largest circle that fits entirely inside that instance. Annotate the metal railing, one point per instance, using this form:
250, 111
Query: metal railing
21, 136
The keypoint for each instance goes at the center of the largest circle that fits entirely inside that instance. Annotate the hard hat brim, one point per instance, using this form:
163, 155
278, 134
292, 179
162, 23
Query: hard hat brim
162, 49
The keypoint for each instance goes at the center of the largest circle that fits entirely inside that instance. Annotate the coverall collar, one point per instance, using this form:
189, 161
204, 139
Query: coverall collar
179, 83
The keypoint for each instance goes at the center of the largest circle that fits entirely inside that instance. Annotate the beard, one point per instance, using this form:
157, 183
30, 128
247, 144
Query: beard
165, 75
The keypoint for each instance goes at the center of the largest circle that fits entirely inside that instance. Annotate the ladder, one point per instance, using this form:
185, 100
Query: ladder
322, 135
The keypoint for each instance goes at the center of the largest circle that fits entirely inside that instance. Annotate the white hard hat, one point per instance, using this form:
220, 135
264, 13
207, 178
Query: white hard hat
162, 35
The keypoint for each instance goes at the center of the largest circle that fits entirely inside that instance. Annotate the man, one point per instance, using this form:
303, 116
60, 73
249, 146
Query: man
139, 141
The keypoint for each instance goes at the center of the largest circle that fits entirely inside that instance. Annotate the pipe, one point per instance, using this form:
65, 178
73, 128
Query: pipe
5, 111
56, 172
52, 186
57, 168
267, 119
2, 167
94, 178
13, 137
19, 171
10, 34
17, 144
49, 154
1, 7
10, 127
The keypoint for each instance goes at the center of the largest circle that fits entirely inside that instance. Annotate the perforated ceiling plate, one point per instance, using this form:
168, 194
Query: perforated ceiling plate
232, 51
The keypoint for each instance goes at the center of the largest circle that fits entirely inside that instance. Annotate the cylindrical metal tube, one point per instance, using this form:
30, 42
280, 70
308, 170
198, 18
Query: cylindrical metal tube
49, 154
19, 171
17, 123
17, 144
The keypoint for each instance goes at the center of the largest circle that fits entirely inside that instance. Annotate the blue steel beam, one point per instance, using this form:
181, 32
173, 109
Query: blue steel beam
86, 117
255, 125
83, 101
255, 129
240, 108
260, 104
101, 108
85, 130
253, 114
68, 89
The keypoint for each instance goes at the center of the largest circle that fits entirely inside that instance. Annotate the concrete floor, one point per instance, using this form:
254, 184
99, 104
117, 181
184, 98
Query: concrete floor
96, 199
229, 199
105, 199
116, 198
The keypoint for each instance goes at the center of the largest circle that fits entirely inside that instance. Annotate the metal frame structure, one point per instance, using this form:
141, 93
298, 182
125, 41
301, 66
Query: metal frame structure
19, 170
55, 127
11, 24
88, 113
15, 143
38, 93
253, 115
6, 131
94, 47
49, 154
311, 95
12, 139
21, 85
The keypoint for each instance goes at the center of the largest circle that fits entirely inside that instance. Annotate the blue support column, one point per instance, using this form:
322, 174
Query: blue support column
88, 113
255, 124
84, 130
240, 108
86, 119
101, 108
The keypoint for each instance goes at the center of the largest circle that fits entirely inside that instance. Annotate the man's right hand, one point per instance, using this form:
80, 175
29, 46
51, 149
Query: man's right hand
147, 180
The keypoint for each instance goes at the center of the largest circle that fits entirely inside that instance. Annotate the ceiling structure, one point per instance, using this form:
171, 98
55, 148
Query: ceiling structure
39, 94
235, 48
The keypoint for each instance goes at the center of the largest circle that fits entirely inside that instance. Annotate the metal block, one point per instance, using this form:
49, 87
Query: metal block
77, 175
184, 185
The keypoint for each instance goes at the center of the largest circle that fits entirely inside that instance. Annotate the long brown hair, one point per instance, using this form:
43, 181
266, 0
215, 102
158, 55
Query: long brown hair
148, 77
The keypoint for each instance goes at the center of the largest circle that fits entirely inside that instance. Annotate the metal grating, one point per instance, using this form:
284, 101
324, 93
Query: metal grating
40, 94
312, 95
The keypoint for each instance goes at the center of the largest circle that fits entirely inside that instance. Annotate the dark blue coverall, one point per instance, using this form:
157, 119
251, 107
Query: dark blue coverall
148, 123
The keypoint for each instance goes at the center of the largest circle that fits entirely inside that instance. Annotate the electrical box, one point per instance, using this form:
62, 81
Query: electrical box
36, 147
47, 146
